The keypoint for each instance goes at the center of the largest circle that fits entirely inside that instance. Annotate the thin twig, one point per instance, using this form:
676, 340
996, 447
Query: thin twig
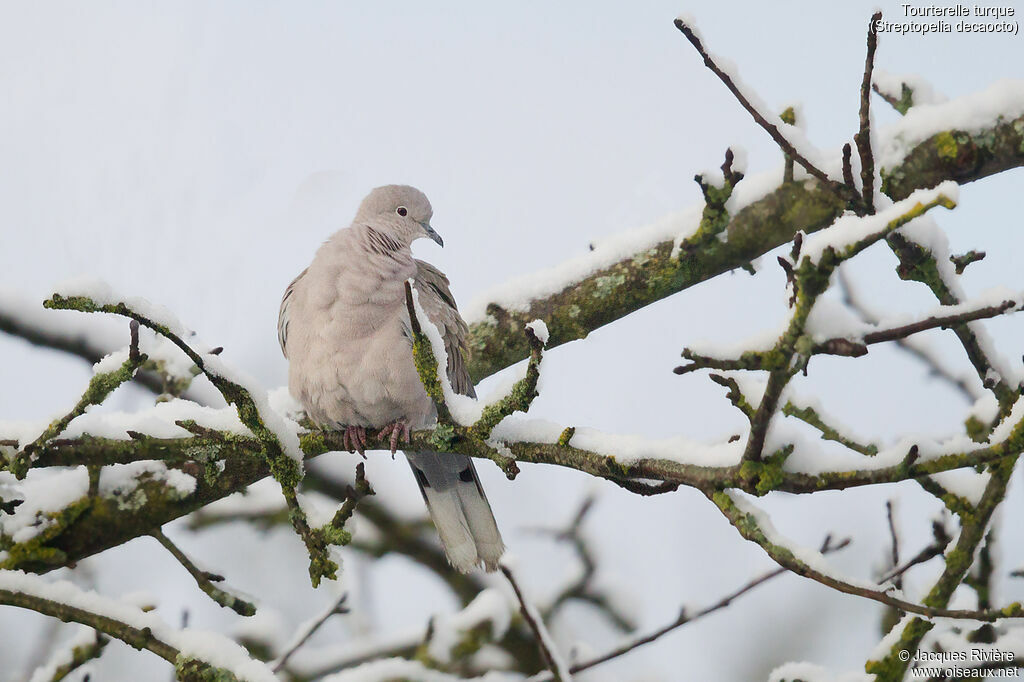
963, 260
204, 579
519, 397
76, 344
810, 416
769, 127
917, 262
581, 588
936, 548
863, 137
940, 321
533, 621
847, 166
426, 363
854, 303
683, 619
735, 395
101, 385
777, 380
843, 346
901, 104
337, 607
895, 576
748, 526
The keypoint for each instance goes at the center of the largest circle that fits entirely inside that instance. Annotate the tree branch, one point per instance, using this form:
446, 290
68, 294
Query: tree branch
610, 292
102, 384
838, 346
78, 344
684, 618
863, 137
851, 299
337, 607
532, 619
750, 528
204, 580
768, 126
285, 470
139, 638
105, 522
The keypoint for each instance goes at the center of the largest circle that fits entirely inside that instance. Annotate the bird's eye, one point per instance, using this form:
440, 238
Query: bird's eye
402, 211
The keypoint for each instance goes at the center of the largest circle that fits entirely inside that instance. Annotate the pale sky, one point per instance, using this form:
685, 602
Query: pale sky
198, 153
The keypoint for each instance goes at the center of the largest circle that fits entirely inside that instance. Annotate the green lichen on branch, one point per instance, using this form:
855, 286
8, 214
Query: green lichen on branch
519, 398
106, 522
715, 217
38, 551
750, 528
447, 434
80, 655
955, 503
101, 385
957, 155
810, 416
425, 361
903, 103
658, 271
334, 533
205, 580
917, 263
788, 116
973, 527
285, 470
188, 669
734, 394
765, 475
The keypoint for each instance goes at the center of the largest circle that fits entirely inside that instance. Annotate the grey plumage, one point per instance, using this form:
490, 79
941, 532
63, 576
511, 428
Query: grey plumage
344, 327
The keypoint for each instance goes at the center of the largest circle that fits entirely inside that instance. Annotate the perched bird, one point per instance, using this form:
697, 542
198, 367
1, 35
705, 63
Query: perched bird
344, 327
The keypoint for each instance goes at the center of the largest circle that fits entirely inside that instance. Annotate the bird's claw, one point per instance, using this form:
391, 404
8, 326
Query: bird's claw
354, 440
398, 429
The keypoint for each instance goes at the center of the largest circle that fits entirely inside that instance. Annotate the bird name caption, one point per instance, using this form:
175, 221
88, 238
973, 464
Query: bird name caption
925, 19
975, 663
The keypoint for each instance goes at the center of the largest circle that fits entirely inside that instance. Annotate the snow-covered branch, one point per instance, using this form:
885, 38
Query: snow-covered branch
111, 477
202, 653
964, 140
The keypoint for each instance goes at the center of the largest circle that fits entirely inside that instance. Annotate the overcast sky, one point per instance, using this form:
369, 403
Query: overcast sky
198, 153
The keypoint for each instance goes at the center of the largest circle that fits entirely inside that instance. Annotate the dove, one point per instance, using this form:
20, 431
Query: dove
344, 328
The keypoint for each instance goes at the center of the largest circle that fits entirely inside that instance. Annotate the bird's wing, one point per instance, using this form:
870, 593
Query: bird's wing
436, 299
282, 315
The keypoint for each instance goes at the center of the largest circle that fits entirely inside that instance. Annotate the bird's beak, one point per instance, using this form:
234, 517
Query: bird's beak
432, 234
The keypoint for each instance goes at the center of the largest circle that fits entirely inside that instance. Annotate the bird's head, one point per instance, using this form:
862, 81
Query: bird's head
400, 211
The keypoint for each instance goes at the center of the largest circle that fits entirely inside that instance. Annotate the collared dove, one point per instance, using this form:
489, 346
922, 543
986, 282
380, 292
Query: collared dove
344, 327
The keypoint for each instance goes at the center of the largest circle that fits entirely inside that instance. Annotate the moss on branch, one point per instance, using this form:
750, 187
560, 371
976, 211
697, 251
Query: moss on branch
806, 205
285, 470
957, 155
750, 528
105, 522
187, 669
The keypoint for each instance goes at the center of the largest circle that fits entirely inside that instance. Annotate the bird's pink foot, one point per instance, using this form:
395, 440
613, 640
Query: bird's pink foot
399, 429
354, 439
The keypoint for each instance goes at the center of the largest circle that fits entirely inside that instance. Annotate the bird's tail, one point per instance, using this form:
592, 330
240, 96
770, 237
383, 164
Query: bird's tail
459, 509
